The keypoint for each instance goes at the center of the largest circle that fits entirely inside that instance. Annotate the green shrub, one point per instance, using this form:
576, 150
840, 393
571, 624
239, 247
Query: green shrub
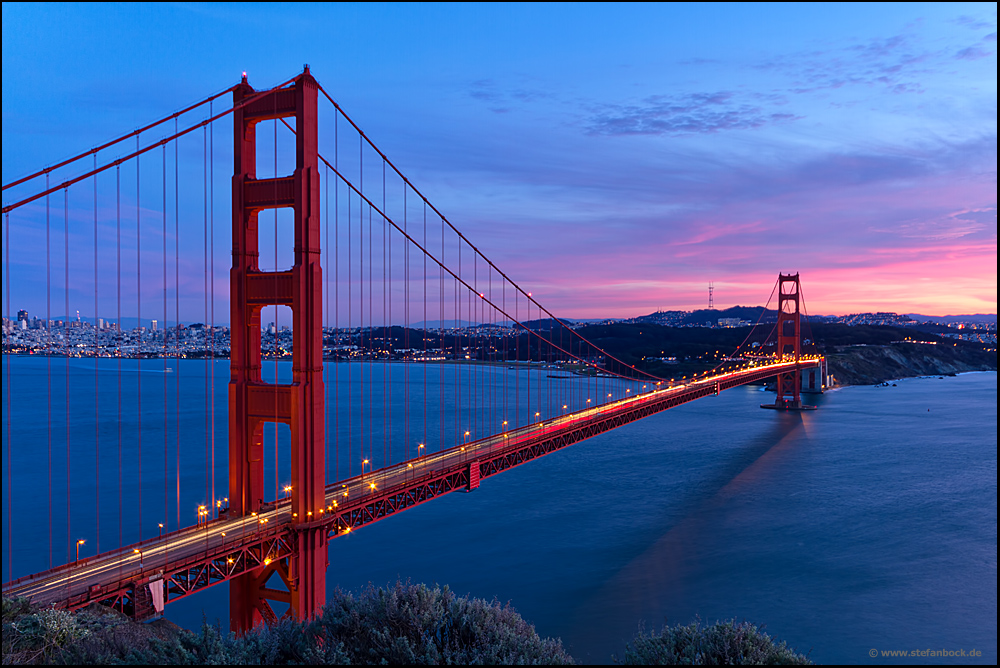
722, 643
33, 635
404, 624
409, 624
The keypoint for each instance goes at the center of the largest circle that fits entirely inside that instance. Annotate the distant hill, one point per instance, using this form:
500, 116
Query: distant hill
976, 317
712, 315
443, 324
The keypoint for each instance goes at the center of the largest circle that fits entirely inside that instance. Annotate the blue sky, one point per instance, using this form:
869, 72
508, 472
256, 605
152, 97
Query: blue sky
614, 159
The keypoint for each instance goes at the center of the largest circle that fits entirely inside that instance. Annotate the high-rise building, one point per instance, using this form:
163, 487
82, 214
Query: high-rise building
22, 316
100, 323
153, 325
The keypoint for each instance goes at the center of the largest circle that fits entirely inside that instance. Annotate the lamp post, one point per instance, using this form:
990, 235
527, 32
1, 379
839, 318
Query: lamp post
161, 530
78, 544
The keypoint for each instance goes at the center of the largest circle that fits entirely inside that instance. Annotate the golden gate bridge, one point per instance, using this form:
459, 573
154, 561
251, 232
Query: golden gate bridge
363, 249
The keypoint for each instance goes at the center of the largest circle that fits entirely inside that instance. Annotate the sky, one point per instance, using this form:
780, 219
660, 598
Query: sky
613, 159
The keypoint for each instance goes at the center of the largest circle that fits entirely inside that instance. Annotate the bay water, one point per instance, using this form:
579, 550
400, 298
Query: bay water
865, 527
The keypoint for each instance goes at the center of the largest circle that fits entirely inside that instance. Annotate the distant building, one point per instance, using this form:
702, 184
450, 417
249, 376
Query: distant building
22, 316
153, 325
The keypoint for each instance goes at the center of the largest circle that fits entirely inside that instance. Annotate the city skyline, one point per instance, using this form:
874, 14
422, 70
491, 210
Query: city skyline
614, 160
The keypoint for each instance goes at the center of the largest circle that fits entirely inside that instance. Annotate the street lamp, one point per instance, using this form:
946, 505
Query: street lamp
139, 552
78, 544
161, 529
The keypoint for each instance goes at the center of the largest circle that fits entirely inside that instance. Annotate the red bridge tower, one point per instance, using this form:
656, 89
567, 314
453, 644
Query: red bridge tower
252, 402
789, 347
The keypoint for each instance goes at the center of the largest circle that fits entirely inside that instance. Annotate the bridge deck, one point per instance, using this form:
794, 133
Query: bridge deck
192, 559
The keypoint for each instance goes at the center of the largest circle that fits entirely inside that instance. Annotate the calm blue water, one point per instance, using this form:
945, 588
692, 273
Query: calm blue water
868, 524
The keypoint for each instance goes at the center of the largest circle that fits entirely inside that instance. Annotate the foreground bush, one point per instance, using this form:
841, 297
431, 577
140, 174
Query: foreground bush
723, 643
405, 624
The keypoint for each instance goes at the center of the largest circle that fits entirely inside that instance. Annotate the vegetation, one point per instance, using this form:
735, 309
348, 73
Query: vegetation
723, 643
404, 624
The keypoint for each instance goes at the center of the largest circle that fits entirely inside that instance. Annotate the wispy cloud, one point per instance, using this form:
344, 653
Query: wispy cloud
974, 52
696, 113
500, 99
975, 23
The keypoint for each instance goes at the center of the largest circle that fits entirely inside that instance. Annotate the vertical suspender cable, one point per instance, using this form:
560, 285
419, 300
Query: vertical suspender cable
211, 286
385, 366
118, 333
177, 332
488, 371
66, 353
371, 338
459, 417
350, 350
336, 296
326, 292
389, 318
350, 338
97, 356
371, 345
406, 331
440, 342
138, 301
204, 351
476, 386
361, 291
277, 328
166, 446
48, 354
424, 327
7, 413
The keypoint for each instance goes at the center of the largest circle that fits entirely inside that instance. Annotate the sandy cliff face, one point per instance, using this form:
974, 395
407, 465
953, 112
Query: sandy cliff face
867, 365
